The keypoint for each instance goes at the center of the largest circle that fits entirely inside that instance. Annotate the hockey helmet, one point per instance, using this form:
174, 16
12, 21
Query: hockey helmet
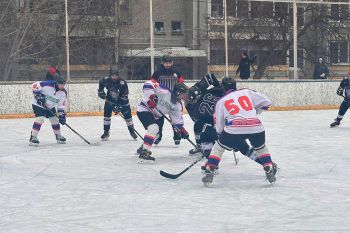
228, 83
114, 72
167, 58
60, 80
178, 90
194, 94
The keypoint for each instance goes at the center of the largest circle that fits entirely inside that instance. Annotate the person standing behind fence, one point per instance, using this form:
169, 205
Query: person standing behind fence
321, 70
244, 66
166, 75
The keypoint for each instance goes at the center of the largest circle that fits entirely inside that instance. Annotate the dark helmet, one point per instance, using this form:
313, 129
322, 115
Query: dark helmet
194, 94
228, 83
60, 80
167, 58
179, 88
114, 72
209, 81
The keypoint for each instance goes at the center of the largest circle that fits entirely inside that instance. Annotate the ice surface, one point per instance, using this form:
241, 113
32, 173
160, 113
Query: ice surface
79, 188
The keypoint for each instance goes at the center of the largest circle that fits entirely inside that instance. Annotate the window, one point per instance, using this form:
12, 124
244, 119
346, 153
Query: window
176, 27
340, 12
281, 9
217, 8
261, 9
231, 8
159, 28
339, 52
242, 8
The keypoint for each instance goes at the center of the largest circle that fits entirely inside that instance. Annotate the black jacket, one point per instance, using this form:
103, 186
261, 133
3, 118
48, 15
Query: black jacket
168, 77
320, 69
117, 90
244, 67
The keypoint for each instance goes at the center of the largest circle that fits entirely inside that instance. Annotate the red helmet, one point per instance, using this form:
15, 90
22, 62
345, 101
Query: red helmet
52, 71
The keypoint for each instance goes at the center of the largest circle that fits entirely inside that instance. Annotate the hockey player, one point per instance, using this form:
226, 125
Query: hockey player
47, 96
200, 105
167, 76
116, 101
237, 120
156, 99
343, 91
202, 99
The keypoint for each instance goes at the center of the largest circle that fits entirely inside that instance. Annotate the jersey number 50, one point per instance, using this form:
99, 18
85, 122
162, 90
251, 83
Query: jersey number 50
244, 103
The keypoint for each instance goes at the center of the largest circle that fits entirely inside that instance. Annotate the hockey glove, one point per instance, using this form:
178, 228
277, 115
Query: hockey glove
181, 131
153, 101
102, 94
340, 91
40, 99
116, 108
62, 118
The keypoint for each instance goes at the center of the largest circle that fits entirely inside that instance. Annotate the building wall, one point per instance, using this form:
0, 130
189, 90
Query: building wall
136, 34
17, 98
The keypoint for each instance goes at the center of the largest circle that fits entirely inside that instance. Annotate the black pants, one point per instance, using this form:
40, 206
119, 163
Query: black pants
38, 111
108, 109
343, 108
238, 141
206, 132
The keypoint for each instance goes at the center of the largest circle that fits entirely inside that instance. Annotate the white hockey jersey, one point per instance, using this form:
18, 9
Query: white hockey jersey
53, 98
236, 112
164, 102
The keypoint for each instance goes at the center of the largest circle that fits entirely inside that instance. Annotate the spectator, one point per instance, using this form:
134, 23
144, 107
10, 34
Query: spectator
321, 70
244, 66
52, 73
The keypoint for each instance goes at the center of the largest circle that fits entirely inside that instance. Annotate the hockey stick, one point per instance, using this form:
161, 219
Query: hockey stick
121, 115
91, 144
174, 176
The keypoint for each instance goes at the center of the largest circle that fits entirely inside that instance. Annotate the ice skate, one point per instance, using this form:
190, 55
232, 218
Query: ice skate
209, 175
146, 155
138, 151
105, 136
204, 169
60, 139
270, 172
158, 139
33, 141
335, 124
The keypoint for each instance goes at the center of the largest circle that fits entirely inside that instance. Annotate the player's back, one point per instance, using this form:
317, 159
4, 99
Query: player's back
236, 112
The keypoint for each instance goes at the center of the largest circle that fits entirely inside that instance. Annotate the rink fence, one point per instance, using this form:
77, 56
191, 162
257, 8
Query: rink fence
16, 97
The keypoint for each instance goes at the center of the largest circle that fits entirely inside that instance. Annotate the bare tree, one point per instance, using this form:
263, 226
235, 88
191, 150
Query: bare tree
271, 30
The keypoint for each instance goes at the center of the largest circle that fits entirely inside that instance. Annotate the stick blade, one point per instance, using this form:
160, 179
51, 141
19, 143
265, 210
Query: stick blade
167, 175
95, 144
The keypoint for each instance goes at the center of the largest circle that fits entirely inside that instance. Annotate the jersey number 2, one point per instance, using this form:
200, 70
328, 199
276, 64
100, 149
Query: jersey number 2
244, 103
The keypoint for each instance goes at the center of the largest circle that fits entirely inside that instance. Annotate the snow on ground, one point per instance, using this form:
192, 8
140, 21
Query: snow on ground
79, 188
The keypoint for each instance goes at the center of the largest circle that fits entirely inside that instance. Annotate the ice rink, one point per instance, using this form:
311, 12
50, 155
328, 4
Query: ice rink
77, 188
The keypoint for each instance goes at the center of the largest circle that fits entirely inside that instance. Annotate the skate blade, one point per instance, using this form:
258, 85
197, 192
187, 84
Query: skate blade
59, 142
95, 144
143, 161
195, 154
33, 144
215, 172
104, 139
207, 184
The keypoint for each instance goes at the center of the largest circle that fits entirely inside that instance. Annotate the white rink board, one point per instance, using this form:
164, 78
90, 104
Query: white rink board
75, 188
82, 97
